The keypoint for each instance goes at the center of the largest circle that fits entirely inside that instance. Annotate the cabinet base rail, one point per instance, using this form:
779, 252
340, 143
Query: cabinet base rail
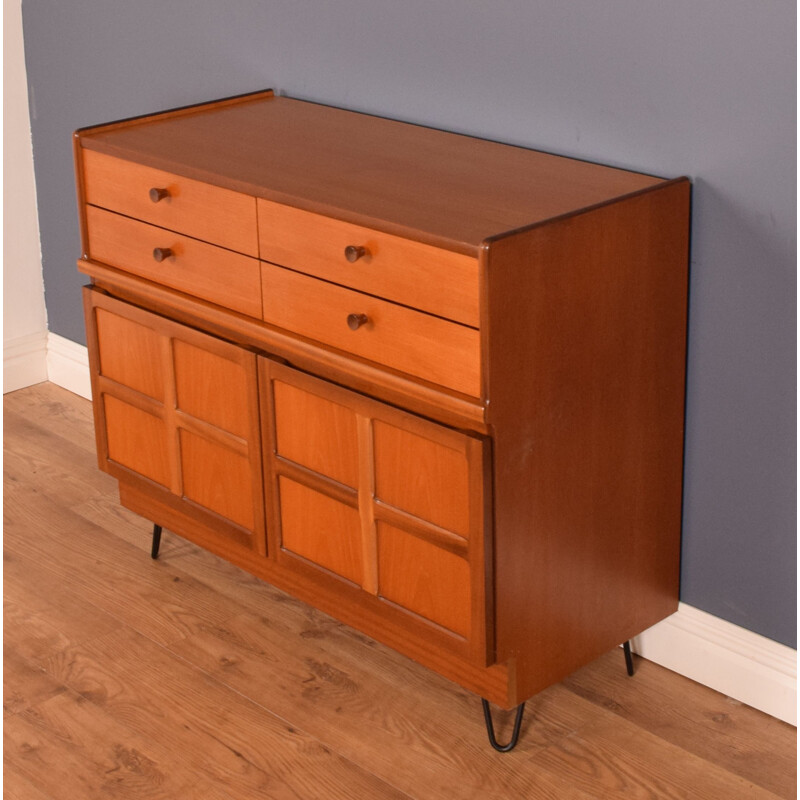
487, 714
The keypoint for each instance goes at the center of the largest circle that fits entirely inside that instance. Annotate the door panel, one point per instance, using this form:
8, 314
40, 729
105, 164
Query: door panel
424, 578
320, 529
384, 499
316, 433
420, 475
216, 477
137, 440
176, 411
130, 354
208, 386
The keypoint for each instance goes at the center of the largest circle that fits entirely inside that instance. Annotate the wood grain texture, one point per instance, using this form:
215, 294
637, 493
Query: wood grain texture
418, 396
256, 693
428, 580
204, 270
202, 440
259, 753
130, 354
427, 347
435, 477
137, 440
394, 268
217, 478
316, 432
199, 376
446, 190
588, 437
194, 208
578, 495
322, 530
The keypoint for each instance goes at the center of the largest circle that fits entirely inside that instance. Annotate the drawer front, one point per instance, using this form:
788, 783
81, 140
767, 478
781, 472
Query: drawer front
427, 347
428, 278
197, 209
211, 273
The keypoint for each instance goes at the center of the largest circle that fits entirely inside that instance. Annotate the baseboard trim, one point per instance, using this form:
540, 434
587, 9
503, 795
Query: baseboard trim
739, 663
24, 361
68, 365
725, 657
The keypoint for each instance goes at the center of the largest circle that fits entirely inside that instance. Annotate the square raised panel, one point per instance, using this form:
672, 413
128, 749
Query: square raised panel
131, 354
199, 376
423, 578
217, 478
136, 440
316, 433
320, 529
423, 476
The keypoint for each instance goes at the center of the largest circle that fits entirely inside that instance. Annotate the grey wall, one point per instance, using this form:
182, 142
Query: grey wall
697, 87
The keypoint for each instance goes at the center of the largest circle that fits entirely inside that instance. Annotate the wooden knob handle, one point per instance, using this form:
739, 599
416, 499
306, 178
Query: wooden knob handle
160, 253
355, 321
157, 194
353, 252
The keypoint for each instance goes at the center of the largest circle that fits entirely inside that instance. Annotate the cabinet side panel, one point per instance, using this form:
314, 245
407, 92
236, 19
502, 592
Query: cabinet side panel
586, 385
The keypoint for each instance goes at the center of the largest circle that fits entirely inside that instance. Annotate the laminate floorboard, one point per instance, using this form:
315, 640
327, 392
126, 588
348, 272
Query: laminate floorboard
188, 678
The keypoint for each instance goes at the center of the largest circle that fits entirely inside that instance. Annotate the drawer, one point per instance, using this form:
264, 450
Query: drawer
429, 278
197, 209
203, 270
410, 341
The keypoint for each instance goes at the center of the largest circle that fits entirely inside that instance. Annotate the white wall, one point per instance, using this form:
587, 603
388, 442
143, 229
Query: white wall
24, 315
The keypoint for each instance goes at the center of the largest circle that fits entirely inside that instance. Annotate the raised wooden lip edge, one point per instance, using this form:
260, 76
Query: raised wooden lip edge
666, 183
473, 136
79, 133
204, 105
465, 248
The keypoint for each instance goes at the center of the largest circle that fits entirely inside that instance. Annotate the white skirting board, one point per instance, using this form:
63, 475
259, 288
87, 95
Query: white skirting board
24, 361
739, 663
68, 365
732, 660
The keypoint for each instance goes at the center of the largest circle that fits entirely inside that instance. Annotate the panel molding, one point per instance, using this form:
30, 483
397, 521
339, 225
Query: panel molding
744, 665
725, 657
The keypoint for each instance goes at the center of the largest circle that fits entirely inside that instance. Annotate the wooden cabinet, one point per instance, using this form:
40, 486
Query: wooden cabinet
430, 384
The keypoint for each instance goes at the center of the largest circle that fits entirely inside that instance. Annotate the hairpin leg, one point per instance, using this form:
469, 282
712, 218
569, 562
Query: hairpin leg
628, 657
156, 541
490, 728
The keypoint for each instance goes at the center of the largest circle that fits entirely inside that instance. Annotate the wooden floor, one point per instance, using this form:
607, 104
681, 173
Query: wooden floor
187, 678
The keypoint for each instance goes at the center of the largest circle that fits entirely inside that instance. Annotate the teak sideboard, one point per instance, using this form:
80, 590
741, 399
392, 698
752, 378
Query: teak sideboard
430, 384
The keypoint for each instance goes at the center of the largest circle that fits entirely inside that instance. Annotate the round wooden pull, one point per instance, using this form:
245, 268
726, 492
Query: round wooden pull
160, 253
157, 194
355, 321
353, 252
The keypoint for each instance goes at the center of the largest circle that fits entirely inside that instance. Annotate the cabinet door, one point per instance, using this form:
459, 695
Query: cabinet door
176, 414
389, 505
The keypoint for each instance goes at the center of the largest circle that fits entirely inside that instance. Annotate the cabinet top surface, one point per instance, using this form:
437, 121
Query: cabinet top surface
447, 189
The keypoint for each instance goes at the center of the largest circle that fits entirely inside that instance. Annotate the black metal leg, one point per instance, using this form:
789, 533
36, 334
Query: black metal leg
628, 657
156, 541
490, 728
